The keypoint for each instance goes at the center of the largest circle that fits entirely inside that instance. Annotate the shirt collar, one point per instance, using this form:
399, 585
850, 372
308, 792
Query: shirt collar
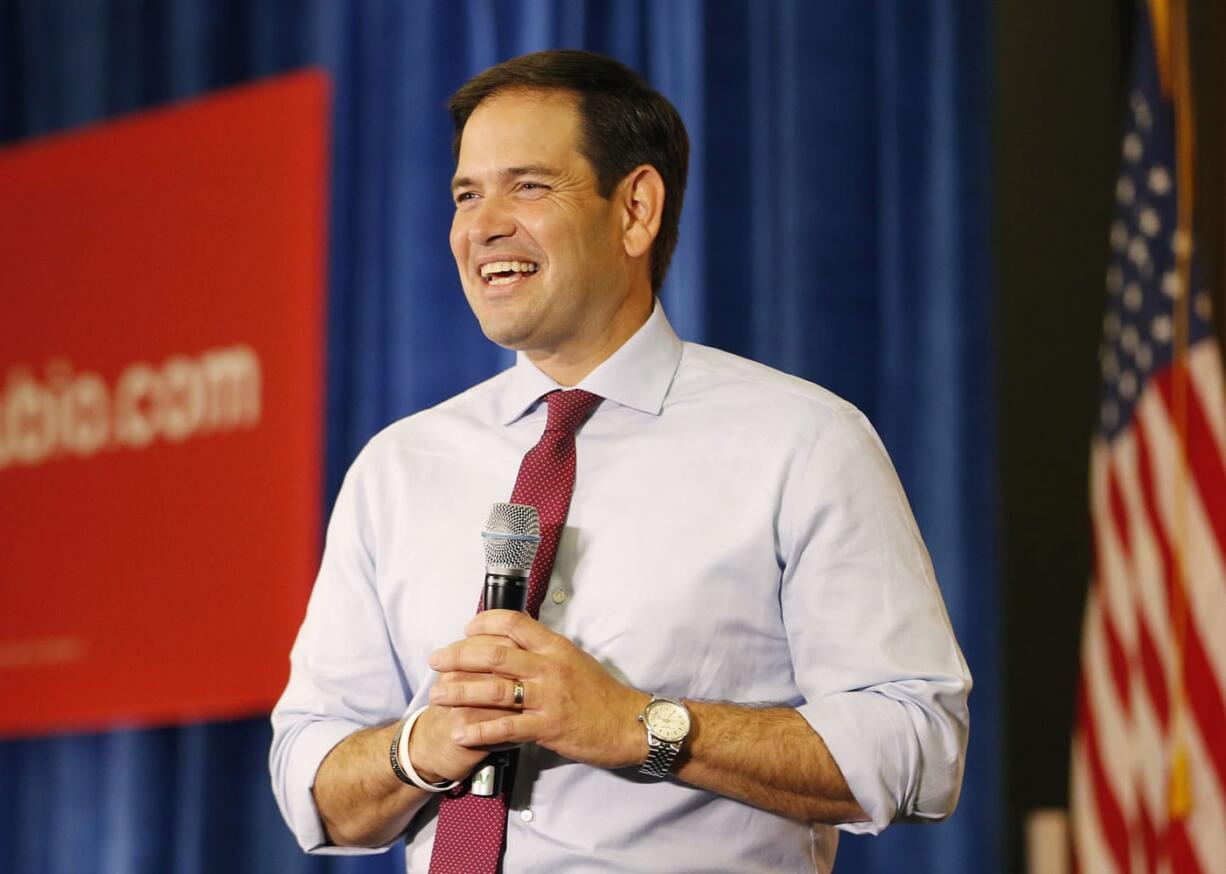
637, 375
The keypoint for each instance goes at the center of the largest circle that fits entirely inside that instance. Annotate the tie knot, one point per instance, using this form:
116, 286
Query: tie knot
569, 409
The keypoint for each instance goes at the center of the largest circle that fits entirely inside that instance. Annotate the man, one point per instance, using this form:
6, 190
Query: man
737, 554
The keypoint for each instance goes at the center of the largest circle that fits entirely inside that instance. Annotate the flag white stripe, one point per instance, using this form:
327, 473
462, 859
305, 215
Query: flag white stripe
1147, 762
1205, 367
1207, 820
1113, 568
1093, 850
1110, 718
1149, 573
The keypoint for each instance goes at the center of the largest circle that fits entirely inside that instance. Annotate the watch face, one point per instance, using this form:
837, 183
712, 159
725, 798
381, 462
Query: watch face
667, 721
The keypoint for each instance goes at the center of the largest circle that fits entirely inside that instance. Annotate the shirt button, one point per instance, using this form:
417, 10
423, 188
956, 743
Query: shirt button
526, 815
559, 597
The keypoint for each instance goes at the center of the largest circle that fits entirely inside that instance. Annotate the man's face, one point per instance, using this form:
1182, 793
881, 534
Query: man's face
539, 251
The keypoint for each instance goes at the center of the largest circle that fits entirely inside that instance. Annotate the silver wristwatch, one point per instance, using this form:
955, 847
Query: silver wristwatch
668, 725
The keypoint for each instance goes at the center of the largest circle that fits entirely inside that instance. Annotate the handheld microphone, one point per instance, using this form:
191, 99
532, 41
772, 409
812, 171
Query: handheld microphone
511, 537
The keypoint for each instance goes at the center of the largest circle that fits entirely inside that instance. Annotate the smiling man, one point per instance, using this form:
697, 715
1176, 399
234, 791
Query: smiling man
740, 649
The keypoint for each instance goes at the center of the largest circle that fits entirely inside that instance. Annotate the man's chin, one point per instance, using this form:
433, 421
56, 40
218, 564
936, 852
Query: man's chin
513, 337
503, 322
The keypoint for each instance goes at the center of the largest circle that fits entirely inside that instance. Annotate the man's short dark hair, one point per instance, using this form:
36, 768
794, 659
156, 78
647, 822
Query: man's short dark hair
624, 123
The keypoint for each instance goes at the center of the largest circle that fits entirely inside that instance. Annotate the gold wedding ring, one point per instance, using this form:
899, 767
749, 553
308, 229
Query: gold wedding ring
519, 693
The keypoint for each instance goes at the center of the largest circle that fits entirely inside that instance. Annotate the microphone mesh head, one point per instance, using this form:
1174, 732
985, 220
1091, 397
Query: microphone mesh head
511, 537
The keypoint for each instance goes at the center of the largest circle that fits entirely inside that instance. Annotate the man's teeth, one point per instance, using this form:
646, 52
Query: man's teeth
512, 270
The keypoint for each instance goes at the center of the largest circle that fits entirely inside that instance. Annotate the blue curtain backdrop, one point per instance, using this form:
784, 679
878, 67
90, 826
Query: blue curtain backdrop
835, 227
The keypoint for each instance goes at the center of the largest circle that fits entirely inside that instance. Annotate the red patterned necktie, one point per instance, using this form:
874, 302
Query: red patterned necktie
469, 835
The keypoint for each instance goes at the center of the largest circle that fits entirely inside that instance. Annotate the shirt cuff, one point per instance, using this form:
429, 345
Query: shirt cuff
873, 743
310, 747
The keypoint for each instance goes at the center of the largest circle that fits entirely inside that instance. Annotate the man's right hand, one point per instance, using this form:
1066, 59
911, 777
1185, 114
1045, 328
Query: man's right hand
434, 755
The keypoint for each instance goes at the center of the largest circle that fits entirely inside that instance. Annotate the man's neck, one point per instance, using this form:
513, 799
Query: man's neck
568, 367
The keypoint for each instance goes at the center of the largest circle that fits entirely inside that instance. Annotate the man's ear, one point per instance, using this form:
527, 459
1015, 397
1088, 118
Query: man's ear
642, 198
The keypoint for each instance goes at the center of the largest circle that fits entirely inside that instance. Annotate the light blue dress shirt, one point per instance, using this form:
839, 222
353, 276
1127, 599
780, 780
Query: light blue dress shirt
736, 534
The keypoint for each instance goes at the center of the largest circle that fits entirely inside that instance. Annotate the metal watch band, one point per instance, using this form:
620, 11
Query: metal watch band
660, 759
662, 752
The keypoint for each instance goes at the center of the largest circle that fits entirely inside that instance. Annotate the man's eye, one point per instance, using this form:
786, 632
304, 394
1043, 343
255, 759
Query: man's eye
465, 196
532, 186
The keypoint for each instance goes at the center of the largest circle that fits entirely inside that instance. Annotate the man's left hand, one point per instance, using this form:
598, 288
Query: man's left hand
572, 705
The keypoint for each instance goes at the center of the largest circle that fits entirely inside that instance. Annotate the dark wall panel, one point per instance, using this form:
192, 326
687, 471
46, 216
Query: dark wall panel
1059, 103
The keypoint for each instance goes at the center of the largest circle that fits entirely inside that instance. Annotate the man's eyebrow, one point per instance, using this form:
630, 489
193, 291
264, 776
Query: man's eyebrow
529, 170
509, 173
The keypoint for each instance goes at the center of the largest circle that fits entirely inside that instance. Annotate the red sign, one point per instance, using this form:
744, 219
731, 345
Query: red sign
161, 370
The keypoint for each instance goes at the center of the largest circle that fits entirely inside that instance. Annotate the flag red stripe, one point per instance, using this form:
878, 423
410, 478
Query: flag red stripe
1182, 856
1151, 664
1116, 657
1119, 661
1205, 700
1145, 475
1208, 470
1149, 835
1111, 818
1152, 672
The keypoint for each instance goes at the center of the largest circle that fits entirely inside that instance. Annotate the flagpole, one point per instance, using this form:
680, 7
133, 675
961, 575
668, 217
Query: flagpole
1180, 794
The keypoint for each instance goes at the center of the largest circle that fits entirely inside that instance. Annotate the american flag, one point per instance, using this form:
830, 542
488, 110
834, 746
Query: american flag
1148, 786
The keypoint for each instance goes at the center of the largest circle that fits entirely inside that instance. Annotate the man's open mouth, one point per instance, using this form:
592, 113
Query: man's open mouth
506, 272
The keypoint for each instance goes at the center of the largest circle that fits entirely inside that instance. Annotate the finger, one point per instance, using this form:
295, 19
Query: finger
492, 640
489, 639
519, 627
459, 677
510, 729
485, 692
486, 659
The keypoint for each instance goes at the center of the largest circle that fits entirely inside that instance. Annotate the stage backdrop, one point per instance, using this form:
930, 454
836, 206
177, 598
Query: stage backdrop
835, 226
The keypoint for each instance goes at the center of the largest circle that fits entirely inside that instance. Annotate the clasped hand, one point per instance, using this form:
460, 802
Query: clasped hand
571, 704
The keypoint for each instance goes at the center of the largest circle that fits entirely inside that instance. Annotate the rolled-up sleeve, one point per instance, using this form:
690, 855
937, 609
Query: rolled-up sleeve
343, 671
884, 682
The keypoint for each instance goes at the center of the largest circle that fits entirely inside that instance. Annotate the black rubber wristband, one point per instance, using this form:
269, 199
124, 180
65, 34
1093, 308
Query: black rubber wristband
395, 757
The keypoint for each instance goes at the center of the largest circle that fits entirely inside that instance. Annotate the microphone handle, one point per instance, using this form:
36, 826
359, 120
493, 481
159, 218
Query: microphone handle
505, 592
502, 592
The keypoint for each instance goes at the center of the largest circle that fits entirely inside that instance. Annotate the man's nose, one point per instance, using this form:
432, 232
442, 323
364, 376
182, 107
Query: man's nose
489, 221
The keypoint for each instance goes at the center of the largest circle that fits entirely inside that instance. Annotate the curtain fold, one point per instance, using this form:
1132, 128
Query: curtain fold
835, 227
